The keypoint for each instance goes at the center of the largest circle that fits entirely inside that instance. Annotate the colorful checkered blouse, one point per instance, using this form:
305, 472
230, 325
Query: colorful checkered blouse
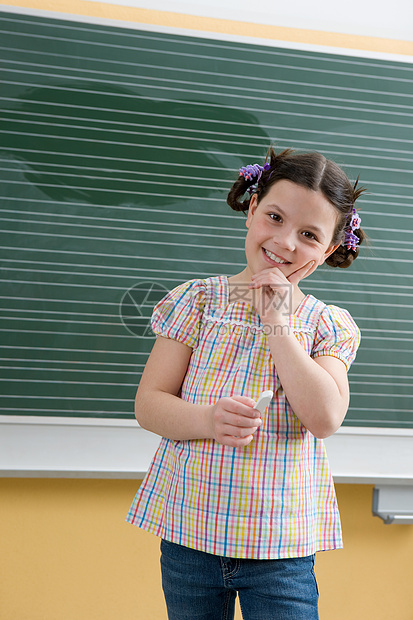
274, 498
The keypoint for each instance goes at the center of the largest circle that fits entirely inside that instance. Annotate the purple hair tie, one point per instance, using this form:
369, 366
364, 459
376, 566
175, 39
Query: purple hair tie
253, 170
351, 241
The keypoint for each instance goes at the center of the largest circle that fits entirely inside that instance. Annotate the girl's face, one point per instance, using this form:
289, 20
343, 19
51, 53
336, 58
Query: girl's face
290, 227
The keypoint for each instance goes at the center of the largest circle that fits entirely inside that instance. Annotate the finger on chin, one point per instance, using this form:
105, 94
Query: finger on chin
301, 273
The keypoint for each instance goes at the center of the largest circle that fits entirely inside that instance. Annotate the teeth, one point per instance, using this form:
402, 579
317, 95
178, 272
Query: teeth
275, 258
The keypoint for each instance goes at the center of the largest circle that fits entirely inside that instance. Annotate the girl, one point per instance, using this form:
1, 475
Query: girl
242, 501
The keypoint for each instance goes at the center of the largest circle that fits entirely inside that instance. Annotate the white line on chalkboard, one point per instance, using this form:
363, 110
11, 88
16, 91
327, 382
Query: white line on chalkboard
359, 103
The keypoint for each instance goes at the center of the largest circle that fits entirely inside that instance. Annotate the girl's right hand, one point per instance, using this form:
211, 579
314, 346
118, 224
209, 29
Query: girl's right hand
234, 421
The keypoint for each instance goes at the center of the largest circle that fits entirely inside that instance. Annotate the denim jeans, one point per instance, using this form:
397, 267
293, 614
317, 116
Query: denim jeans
201, 586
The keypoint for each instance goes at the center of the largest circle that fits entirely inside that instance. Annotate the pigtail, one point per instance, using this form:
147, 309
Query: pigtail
237, 192
344, 255
250, 186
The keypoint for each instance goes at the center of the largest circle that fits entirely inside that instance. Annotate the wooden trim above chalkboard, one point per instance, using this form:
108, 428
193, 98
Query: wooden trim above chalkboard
127, 16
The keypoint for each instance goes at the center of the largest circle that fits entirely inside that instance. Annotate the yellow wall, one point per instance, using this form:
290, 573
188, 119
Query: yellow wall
67, 554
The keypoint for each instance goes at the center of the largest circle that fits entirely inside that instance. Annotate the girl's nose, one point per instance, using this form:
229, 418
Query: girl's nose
286, 240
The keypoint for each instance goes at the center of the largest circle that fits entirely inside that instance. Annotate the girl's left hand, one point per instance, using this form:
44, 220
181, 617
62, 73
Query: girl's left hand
274, 294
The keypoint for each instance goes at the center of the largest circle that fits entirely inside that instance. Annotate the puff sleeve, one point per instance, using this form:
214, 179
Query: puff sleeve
179, 314
337, 335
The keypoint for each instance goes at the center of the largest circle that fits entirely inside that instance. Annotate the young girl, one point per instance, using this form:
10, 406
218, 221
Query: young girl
242, 501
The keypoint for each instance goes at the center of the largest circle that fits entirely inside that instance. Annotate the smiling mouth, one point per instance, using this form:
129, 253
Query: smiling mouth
276, 258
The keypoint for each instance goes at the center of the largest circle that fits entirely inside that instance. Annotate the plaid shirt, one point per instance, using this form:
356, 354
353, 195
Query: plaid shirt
274, 498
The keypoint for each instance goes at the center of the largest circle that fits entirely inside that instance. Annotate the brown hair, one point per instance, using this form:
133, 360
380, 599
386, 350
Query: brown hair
314, 171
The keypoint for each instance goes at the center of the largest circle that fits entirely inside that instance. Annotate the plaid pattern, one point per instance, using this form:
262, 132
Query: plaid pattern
275, 498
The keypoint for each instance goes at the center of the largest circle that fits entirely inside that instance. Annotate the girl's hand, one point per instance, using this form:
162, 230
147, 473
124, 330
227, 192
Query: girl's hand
273, 293
234, 421
296, 277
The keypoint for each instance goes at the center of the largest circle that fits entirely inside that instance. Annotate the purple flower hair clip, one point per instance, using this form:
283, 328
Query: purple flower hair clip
251, 171
351, 241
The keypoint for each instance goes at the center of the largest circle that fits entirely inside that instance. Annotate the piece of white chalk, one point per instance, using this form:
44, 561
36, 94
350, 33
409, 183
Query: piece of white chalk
264, 401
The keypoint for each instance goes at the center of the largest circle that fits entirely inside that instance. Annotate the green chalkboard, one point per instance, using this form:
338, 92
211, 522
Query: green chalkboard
117, 149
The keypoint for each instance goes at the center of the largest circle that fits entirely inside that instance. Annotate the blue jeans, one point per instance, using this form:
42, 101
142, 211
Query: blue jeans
201, 586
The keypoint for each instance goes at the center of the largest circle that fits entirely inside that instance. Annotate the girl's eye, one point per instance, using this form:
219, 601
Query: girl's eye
275, 217
309, 235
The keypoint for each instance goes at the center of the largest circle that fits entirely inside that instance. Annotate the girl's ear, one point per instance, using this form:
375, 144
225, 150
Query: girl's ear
330, 250
251, 210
